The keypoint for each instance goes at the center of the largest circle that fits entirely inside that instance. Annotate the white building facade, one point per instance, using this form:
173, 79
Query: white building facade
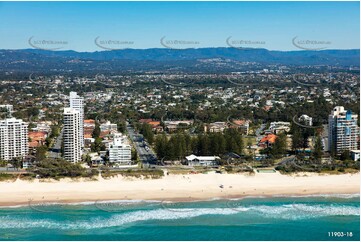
77, 103
343, 133
107, 126
120, 151
194, 160
71, 135
13, 138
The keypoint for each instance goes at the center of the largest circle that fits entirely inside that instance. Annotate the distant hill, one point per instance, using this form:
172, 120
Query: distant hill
153, 59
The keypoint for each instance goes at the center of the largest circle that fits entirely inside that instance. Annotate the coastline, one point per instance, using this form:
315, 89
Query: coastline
176, 188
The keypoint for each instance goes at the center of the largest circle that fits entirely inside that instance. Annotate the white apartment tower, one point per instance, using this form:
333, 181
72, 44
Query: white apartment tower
119, 151
343, 132
71, 136
77, 103
13, 138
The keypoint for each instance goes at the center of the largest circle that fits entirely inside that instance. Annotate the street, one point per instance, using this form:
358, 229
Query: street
55, 152
146, 156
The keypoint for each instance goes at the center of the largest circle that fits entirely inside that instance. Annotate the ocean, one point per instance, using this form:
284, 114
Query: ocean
335, 217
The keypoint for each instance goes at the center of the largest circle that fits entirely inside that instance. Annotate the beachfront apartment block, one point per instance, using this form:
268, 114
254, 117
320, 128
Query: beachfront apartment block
343, 133
13, 138
77, 103
71, 136
119, 151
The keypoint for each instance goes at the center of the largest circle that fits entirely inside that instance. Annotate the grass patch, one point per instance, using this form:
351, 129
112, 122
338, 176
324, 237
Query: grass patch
7, 177
147, 174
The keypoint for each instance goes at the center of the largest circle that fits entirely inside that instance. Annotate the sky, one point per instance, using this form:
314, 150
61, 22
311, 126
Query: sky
96, 26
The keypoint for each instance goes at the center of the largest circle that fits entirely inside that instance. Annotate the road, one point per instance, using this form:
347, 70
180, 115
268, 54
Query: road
55, 152
12, 170
287, 160
259, 131
146, 156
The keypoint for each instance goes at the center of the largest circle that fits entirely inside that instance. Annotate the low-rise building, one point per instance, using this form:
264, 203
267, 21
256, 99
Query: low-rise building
107, 126
216, 127
278, 127
305, 119
267, 141
172, 126
36, 139
156, 127
241, 124
194, 160
355, 155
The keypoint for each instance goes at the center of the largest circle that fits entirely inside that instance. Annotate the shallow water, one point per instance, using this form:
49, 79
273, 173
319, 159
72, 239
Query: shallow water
257, 218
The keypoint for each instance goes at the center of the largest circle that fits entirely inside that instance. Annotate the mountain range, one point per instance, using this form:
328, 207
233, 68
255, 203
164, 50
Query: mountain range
163, 59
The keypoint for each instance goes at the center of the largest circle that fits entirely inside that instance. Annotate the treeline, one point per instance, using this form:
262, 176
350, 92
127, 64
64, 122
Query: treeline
98, 145
59, 168
146, 130
179, 145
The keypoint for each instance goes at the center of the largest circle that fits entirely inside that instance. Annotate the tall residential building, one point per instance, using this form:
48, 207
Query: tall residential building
119, 151
13, 138
71, 135
77, 103
343, 132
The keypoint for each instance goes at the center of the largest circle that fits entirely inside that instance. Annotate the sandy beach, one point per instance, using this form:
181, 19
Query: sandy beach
177, 187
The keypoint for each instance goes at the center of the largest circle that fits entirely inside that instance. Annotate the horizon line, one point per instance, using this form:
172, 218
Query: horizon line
160, 48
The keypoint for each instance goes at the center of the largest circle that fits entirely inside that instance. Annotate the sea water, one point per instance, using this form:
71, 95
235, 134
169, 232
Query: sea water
329, 217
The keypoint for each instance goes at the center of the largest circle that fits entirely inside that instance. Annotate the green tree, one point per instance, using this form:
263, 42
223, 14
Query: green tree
97, 145
161, 143
96, 131
16, 162
279, 148
146, 131
345, 155
41, 152
317, 151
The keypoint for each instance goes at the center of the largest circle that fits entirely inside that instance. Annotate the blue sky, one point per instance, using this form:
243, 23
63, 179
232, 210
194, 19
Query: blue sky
271, 25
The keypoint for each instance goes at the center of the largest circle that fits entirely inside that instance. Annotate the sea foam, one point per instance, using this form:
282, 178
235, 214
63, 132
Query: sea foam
285, 211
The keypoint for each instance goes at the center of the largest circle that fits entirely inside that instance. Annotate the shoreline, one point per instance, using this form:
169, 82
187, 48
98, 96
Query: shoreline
236, 198
177, 188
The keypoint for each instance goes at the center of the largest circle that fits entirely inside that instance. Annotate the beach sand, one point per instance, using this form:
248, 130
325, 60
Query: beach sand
177, 187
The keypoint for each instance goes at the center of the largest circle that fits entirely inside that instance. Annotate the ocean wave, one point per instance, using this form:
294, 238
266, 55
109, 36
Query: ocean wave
345, 196
84, 203
289, 212
304, 211
113, 221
